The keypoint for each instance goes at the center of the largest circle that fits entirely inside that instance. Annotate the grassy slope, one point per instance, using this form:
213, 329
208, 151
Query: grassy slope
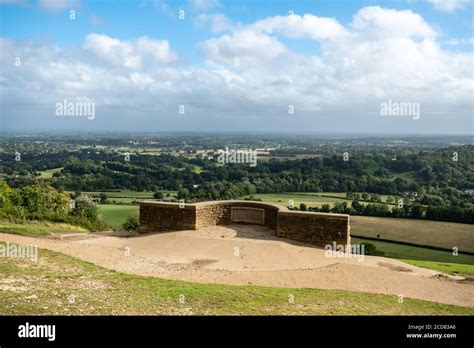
38, 228
46, 287
442, 261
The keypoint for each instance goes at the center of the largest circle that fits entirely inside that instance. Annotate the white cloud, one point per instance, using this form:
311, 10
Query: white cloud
337, 87
310, 26
56, 5
130, 54
375, 21
204, 5
449, 5
217, 22
459, 42
247, 46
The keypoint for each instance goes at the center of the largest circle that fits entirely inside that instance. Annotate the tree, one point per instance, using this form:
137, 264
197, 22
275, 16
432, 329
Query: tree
417, 211
183, 193
85, 207
325, 208
303, 207
158, 195
43, 199
103, 198
357, 206
9, 199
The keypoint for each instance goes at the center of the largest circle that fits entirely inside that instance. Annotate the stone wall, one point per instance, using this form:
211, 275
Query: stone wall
219, 212
315, 228
159, 216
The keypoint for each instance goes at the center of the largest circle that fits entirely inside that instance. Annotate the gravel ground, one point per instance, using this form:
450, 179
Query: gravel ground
244, 254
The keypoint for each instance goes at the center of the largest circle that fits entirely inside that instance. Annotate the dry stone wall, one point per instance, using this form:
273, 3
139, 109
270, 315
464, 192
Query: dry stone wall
316, 228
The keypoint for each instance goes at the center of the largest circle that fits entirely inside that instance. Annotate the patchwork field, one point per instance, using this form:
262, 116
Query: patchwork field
442, 261
125, 196
313, 200
422, 232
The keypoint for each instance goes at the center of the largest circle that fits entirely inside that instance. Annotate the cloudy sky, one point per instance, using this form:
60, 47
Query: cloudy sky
238, 66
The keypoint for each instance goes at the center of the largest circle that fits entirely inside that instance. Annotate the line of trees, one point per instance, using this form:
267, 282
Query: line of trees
43, 202
412, 211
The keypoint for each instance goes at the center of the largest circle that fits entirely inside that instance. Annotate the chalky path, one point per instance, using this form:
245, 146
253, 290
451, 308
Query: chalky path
245, 254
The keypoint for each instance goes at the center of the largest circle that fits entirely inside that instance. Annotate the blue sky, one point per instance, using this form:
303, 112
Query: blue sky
191, 62
128, 19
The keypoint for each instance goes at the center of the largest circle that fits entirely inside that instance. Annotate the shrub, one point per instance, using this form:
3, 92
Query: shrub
103, 198
132, 223
85, 207
9, 199
43, 199
370, 249
158, 195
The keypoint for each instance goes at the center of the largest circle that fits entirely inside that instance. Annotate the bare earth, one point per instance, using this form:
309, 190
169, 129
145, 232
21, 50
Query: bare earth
244, 254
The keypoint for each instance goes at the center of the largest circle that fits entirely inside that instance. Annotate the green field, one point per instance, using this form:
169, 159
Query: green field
46, 288
442, 261
115, 215
125, 196
310, 199
48, 174
421, 232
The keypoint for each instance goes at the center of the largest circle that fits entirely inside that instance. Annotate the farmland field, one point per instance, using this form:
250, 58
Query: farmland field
442, 261
312, 200
48, 174
116, 215
126, 196
422, 232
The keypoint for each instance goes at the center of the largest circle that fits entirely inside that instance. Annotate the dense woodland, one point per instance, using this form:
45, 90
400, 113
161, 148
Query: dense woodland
435, 169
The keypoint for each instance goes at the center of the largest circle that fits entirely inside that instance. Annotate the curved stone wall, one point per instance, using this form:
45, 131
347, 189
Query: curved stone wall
315, 228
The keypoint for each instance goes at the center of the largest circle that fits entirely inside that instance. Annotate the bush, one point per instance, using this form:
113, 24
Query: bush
158, 195
44, 199
103, 198
133, 223
85, 207
370, 249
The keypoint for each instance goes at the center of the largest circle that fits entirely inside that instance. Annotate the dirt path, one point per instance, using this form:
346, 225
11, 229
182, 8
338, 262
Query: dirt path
253, 255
